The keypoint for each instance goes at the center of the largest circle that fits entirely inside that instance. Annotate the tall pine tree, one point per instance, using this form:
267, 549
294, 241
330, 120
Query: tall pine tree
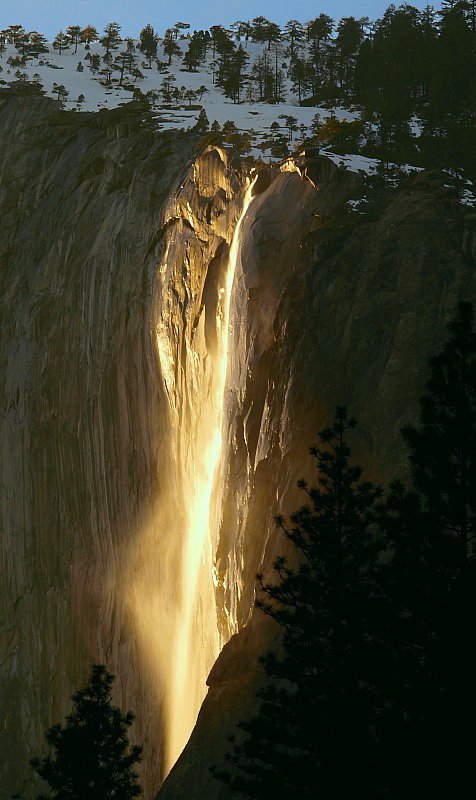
91, 757
313, 735
431, 531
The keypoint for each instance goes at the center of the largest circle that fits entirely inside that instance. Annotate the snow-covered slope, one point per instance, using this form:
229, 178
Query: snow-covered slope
88, 91
52, 68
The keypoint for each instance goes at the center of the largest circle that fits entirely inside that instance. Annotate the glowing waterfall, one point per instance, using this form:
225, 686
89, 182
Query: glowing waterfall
196, 640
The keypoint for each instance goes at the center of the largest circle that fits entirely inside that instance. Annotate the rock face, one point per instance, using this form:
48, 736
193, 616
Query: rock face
343, 314
114, 245
87, 211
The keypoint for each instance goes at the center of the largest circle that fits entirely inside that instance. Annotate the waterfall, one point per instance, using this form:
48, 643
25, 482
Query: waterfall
172, 592
197, 643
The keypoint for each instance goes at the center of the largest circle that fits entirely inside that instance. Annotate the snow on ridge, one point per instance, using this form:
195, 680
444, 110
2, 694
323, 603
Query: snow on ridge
255, 117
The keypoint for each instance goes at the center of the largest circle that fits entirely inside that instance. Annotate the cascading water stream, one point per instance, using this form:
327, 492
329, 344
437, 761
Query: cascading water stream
196, 639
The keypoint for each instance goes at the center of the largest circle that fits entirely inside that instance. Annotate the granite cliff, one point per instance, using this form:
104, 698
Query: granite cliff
115, 244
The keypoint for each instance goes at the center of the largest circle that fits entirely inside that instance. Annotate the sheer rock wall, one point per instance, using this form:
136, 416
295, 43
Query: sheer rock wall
111, 235
88, 205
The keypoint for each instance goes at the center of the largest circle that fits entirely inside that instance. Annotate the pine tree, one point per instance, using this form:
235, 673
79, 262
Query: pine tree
38, 44
299, 76
431, 531
61, 42
348, 40
91, 756
23, 44
241, 29
94, 63
148, 44
258, 29
262, 74
314, 732
202, 123
193, 56
443, 446
167, 87
14, 33
291, 123
320, 29
294, 33
231, 71
273, 34
74, 34
89, 34
125, 61
112, 37
170, 46
60, 91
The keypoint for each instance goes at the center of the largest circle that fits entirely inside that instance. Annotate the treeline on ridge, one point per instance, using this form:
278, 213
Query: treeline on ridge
411, 75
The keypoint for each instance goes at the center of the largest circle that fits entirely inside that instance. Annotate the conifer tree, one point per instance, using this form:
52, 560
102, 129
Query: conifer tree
314, 732
91, 757
89, 34
148, 44
14, 33
61, 42
259, 28
167, 87
273, 34
320, 29
231, 71
193, 56
60, 91
299, 76
125, 61
294, 33
241, 29
112, 37
431, 531
291, 123
170, 46
74, 34
443, 446
94, 63
38, 43
202, 123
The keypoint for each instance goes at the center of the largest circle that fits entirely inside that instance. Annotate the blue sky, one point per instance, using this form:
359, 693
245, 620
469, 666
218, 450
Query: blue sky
48, 16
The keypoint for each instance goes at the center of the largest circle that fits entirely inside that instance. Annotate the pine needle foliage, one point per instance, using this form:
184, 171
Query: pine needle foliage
314, 731
91, 757
431, 579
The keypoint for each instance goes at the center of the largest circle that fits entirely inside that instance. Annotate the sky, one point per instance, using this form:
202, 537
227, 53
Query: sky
49, 16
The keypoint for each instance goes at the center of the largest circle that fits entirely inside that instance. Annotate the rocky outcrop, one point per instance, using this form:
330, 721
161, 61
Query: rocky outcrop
114, 243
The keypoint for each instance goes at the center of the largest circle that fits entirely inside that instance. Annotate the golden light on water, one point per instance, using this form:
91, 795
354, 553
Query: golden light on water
188, 686
172, 593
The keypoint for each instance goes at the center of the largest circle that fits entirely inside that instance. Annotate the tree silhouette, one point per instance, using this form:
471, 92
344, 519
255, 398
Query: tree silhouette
61, 42
443, 447
91, 756
149, 41
170, 46
313, 734
431, 531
